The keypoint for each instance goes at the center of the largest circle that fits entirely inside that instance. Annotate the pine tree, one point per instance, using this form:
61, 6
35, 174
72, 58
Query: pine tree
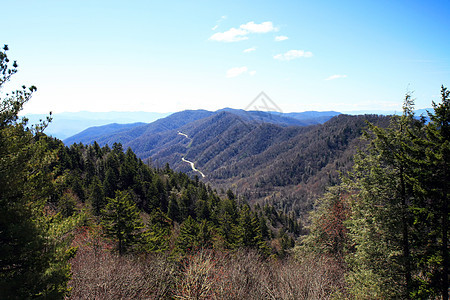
128, 170
248, 228
172, 210
380, 224
431, 215
248, 232
122, 222
227, 237
439, 134
188, 238
110, 184
96, 197
227, 215
157, 236
33, 260
205, 234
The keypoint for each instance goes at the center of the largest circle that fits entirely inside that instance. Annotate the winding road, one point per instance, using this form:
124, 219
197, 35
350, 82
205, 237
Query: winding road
190, 162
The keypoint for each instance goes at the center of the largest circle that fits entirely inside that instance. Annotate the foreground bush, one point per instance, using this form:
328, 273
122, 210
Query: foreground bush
205, 274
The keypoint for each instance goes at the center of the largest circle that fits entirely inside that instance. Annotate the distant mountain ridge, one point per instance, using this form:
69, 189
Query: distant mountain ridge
109, 134
284, 119
67, 124
97, 132
124, 135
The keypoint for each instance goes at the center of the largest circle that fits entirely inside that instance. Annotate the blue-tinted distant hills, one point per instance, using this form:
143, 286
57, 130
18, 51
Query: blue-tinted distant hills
69, 123
313, 117
284, 119
98, 132
123, 133
148, 134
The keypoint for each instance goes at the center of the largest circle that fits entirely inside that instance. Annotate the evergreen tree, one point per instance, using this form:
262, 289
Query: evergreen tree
205, 234
439, 135
128, 170
226, 231
248, 232
431, 215
67, 204
32, 263
96, 197
77, 187
201, 210
122, 222
380, 222
388, 236
110, 184
392, 223
173, 211
157, 236
188, 238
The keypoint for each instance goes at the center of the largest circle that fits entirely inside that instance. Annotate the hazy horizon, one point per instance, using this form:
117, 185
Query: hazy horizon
22, 113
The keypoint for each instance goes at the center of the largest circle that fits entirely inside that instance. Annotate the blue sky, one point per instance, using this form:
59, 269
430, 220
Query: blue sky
166, 56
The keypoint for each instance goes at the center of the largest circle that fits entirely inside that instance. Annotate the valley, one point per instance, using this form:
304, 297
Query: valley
285, 160
187, 161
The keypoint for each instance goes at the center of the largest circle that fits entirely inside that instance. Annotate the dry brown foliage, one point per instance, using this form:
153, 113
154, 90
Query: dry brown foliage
205, 274
247, 275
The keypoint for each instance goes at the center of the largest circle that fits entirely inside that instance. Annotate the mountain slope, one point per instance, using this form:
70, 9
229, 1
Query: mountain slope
97, 132
177, 120
288, 166
268, 162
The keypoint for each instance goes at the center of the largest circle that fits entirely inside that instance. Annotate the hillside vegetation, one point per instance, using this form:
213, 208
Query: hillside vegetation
265, 157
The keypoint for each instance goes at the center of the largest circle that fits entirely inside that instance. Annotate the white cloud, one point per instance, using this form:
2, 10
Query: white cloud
215, 27
232, 35
336, 76
292, 54
249, 50
240, 34
233, 72
264, 27
281, 38
252, 73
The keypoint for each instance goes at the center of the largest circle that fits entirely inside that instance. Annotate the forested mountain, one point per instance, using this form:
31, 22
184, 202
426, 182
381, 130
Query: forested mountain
283, 119
316, 116
268, 157
179, 119
97, 132
122, 136
289, 166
